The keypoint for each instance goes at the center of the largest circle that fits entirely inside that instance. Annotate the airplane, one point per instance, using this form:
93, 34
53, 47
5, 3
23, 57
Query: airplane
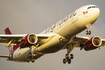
60, 36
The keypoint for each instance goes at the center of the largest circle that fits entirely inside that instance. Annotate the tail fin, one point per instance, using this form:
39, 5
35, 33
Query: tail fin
7, 31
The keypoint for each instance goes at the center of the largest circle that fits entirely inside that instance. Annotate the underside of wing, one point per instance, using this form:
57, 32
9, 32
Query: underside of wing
80, 39
86, 42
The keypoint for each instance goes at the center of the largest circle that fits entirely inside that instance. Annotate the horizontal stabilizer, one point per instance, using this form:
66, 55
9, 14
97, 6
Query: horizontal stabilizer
4, 56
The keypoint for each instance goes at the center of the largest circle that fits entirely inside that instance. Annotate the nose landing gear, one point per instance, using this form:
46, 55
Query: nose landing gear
88, 32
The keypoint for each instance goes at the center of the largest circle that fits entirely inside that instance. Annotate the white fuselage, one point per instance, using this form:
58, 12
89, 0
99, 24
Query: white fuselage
65, 29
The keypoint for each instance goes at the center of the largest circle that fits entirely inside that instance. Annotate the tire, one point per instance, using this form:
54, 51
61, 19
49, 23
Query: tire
66, 56
89, 32
33, 60
72, 56
64, 61
69, 61
28, 60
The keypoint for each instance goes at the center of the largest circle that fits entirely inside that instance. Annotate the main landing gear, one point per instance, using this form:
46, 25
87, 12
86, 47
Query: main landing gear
31, 55
68, 58
88, 32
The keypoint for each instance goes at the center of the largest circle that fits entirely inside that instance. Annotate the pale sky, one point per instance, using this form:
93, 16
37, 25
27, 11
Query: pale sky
34, 16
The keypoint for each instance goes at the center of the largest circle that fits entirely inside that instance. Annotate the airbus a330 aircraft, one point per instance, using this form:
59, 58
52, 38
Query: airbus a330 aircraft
62, 35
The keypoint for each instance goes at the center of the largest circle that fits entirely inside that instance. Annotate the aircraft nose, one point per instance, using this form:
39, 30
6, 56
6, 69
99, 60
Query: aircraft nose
95, 14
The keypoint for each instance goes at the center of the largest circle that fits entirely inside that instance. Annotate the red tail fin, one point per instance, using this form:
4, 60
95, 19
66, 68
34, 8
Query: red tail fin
7, 31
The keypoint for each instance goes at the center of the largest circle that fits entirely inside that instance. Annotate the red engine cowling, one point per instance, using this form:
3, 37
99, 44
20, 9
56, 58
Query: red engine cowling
93, 43
28, 40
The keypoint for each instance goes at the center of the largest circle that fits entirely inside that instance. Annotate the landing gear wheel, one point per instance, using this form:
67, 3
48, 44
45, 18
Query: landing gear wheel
71, 56
89, 32
64, 61
28, 60
66, 56
33, 60
30, 54
69, 61
31, 57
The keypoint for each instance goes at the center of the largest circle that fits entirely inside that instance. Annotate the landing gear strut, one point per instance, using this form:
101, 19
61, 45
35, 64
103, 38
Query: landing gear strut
31, 58
31, 55
68, 56
88, 32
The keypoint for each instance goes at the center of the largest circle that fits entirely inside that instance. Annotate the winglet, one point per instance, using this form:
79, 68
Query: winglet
7, 31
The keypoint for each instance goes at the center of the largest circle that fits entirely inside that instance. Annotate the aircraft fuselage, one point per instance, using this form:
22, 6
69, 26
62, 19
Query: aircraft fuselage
65, 29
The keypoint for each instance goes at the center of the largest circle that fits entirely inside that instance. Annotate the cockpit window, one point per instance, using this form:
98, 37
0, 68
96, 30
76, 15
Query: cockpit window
92, 7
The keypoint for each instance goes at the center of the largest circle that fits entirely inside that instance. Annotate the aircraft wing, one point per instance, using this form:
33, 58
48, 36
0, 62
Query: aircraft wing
83, 40
5, 39
103, 42
80, 39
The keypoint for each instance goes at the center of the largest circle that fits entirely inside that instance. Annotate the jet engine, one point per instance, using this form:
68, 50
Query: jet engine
28, 40
93, 43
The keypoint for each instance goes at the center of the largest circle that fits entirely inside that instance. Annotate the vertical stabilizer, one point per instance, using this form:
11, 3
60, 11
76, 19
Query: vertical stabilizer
7, 31
12, 48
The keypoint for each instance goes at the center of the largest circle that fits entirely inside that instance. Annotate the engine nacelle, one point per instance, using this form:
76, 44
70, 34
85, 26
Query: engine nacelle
93, 43
28, 40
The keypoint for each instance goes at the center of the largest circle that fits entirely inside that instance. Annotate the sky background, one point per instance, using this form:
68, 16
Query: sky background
34, 16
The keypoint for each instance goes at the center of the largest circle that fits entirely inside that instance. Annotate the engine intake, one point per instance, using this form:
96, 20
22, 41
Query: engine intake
93, 43
28, 40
